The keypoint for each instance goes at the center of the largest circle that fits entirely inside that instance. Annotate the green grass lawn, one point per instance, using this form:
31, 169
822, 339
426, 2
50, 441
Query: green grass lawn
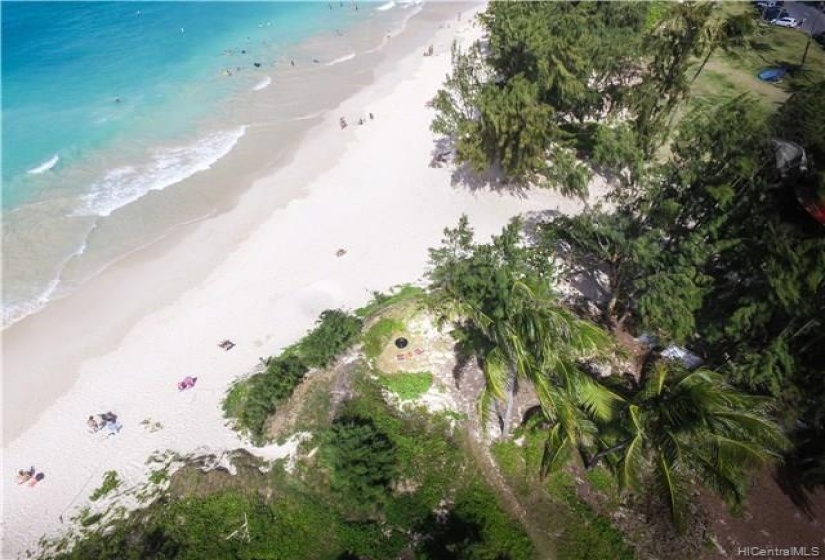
407, 386
730, 74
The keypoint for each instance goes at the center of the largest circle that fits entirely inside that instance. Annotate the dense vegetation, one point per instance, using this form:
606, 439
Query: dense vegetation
253, 400
705, 244
383, 483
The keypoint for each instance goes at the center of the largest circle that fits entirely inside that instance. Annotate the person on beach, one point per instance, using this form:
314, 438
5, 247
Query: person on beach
37, 478
372, 116
23, 476
343, 122
108, 417
93, 425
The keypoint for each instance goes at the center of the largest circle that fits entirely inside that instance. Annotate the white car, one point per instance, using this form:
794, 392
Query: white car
786, 22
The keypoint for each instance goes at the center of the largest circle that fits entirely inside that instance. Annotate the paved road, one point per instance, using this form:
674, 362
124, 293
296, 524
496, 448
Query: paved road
814, 19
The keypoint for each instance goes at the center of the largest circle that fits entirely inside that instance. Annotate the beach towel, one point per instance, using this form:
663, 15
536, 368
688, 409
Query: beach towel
37, 478
113, 428
187, 383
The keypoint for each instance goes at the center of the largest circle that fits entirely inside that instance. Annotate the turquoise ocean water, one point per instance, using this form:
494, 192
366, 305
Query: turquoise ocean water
102, 103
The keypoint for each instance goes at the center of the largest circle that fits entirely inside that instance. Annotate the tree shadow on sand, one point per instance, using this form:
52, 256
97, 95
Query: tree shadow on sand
464, 176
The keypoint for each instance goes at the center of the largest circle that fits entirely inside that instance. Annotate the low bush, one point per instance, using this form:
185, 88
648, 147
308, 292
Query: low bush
408, 386
335, 332
475, 527
110, 482
253, 400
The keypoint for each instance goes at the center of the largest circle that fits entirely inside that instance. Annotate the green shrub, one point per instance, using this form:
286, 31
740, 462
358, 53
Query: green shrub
475, 527
110, 482
407, 386
381, 301
362, 461
600, 479
588, 535
591, 536
378, 335
335, 332
252, 401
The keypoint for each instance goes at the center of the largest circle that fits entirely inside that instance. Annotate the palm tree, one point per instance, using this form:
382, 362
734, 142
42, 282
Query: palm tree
506, 315
681, 426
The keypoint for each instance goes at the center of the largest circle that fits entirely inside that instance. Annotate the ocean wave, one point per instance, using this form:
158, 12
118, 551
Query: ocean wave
168, 166
384, 7
263, 84
45, 166
341, 59
13, 312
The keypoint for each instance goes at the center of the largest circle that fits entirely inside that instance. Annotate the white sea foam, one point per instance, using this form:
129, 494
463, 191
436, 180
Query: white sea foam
384, 7
45, 166
263, 84
13, 312
341, 59
166, 167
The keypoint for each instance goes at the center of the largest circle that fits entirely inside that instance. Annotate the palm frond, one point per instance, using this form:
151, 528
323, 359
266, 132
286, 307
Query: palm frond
558, 449
670, 490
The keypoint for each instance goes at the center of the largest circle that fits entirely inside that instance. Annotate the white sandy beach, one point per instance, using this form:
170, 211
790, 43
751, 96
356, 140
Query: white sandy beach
376, 197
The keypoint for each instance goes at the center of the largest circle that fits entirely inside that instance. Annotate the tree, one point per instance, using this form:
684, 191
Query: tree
362, 461
681, 426
550, 68
673, 43
505, 313
726, 33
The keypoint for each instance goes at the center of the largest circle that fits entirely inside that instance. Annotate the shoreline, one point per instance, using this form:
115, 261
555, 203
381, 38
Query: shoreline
260, 128
263, 191
257, 273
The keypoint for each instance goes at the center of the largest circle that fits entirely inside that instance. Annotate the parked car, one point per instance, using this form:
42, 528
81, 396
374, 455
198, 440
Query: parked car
786, 22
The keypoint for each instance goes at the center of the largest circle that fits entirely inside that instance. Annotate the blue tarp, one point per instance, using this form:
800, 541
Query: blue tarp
772, 74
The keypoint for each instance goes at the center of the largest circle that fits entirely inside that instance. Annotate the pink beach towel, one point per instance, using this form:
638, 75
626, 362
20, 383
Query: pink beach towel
187, 383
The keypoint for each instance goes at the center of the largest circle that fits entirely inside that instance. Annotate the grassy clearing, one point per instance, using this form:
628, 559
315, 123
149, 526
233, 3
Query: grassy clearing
407, 386
110, 482
379, 335
728, 75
